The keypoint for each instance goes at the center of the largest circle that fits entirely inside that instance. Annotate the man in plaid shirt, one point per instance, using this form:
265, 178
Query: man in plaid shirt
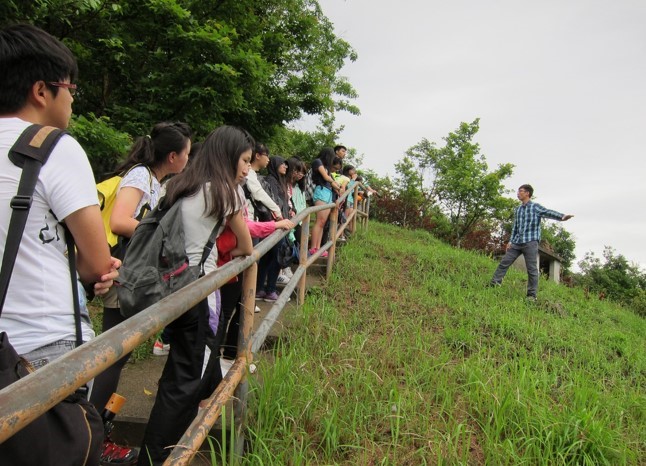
525, 236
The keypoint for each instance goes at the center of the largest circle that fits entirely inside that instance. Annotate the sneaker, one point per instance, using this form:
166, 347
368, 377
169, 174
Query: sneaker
260, 294
256, 310
114, 454
288, 272
282, 279
531, 299
312, 251
325, 254
161, 349
225, 365
271, 297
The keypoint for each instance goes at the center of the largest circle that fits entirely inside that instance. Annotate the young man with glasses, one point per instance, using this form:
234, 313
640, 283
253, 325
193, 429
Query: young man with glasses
37, 72
525, 237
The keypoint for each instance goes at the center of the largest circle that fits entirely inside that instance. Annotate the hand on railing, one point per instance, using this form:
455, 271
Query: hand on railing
285, 224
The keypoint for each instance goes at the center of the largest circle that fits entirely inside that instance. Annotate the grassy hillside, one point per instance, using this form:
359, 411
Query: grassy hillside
406, 358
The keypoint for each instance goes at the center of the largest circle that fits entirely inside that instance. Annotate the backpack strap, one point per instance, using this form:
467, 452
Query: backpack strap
209, 245
30, 152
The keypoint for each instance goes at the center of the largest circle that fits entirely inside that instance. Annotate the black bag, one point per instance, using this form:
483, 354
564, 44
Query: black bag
287, 253
71, 432
261, 213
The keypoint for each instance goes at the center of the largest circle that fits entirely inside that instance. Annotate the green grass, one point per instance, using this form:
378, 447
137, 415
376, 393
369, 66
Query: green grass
140, 353
405, 357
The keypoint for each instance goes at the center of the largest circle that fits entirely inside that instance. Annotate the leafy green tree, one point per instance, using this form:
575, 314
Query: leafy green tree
254, 63
559, 240
464, 188
614, 277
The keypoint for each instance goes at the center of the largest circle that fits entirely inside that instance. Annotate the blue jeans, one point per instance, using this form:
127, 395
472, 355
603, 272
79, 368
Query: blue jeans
48, 353
530, 252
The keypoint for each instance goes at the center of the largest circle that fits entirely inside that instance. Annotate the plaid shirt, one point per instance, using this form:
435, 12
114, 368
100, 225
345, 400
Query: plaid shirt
527, 222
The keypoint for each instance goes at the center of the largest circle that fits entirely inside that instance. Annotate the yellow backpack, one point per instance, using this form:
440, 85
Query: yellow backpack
107, 193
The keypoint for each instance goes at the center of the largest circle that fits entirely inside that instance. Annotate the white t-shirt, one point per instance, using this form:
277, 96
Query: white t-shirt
141, 178
38, 309
197, 227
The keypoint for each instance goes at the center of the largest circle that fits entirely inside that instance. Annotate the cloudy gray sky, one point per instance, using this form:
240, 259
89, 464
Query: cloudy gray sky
559, 87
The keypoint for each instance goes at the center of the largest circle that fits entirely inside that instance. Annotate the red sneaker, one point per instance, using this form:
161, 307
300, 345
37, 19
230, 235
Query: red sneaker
114, 454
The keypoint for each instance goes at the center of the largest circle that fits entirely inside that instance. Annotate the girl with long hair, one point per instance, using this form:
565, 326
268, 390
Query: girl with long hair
268, 268
152, 157
323, 194
209, 193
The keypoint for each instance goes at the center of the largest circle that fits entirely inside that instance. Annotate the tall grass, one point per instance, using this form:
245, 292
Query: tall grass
405, 357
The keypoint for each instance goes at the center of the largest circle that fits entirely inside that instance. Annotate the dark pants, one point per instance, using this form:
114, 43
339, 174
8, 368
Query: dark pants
268, 270
181, 387
229, 326
530, 252
106, 383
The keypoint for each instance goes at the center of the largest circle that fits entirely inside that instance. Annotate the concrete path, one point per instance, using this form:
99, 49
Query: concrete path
138, 381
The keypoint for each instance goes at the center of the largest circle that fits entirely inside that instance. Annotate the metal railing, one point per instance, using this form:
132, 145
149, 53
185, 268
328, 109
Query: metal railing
30, 397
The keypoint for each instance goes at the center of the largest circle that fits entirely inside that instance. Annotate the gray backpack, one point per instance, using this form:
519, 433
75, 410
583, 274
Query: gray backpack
156, 263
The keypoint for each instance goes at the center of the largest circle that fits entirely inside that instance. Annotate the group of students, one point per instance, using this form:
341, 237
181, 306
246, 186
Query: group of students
217, 184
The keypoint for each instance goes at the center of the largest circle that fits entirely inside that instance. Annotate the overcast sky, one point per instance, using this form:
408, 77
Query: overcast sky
559, 87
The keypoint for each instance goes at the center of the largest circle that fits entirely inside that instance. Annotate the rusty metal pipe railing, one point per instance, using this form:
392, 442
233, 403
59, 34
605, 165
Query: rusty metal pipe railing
199, 429
28, 398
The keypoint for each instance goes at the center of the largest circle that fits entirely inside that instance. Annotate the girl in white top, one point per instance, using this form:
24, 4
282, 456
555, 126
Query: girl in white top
208, 191
152, 157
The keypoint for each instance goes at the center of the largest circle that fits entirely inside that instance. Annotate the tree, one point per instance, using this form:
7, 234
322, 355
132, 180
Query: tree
466, 192
253, 63
614, 277
561, 241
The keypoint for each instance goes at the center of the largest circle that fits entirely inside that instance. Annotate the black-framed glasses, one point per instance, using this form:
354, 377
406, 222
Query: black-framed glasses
69, 86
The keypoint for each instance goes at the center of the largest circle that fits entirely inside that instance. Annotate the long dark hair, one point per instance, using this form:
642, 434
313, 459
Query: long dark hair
327, 156
217, 164
295, 165
151, 150
274, 164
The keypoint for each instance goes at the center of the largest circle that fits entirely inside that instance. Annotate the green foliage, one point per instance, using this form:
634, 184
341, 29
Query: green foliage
105, 146
614, 278
255, 64
462, 185
559, 240
305, 145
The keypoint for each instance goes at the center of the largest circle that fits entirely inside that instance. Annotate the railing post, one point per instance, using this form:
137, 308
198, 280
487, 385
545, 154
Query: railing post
244, 351
353, 227
334, 222
302, 259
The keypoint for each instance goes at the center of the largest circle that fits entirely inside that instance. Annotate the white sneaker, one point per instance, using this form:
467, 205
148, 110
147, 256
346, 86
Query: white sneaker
161, 349
225, 365
256, 310
287, 271
282, 280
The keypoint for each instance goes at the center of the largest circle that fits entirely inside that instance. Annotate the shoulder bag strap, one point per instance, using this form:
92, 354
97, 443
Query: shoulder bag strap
247, 194
30, 152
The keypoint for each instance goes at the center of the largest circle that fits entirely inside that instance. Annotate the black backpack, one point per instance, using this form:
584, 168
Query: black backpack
156, 263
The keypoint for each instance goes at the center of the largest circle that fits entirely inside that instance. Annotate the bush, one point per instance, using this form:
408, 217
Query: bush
104, 145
